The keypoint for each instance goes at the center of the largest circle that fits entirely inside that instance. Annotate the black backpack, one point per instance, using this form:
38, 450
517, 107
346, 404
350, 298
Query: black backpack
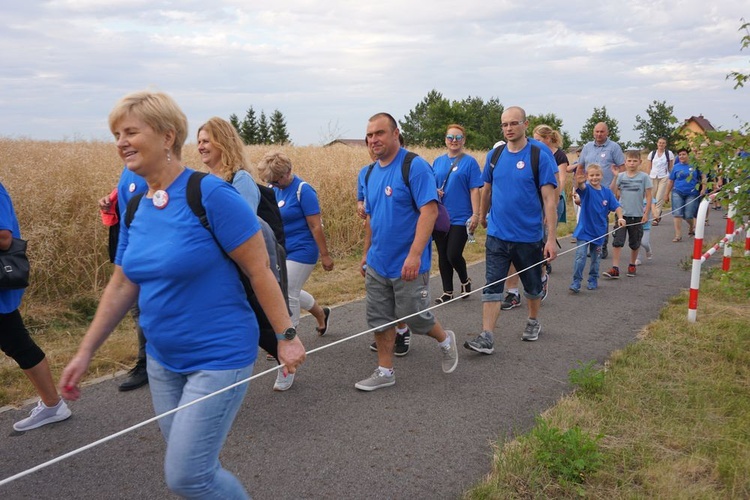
666, 153
267, 338
405, 168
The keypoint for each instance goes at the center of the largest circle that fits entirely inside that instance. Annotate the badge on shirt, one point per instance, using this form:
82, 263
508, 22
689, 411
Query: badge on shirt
388, 191
604, 203
161, 198
455, 168
603, 155
281, 203
131, 188
520, 165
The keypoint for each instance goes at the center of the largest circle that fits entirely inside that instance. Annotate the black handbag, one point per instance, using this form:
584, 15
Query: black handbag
14, 266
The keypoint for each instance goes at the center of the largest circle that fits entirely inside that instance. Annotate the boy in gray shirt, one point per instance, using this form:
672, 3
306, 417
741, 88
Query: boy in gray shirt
631, 188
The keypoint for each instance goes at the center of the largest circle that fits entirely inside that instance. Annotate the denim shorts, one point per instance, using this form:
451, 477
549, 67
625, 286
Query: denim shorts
685, 205
499, 256
389, 299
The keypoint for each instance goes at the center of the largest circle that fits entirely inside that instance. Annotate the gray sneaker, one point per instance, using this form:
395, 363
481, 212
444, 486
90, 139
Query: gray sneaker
450, 354
43, 415
511, 300
376, 381
480, 344
532, 330
283, 383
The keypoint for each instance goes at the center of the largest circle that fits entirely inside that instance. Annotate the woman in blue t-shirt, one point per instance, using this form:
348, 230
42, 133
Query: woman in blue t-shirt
201, 332
16, 342
687, 184
458, 180
303, 229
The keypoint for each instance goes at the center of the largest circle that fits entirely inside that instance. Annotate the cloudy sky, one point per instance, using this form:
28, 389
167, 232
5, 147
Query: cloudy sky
329, 65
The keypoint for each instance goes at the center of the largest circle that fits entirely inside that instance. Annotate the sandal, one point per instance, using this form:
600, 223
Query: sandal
655, 222
676, 239
444, 298
466, 289
327, 314
691, 233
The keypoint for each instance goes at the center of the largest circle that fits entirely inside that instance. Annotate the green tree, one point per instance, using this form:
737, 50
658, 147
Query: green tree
599, 115
264, 130
425, 124
480, 119
279, 133
235, 121
551, 120
249, 128
661, 122
739, 77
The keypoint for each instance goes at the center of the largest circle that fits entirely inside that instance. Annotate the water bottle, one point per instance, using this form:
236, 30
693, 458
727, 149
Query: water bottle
469, 232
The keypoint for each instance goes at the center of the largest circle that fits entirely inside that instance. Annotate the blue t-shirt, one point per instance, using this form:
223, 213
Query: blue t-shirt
129, 185
596, 204
300, 244
457, 192
686, 179
516, 212
9, 299
393, 219
361, 182
244, 183
194, 311
605, 155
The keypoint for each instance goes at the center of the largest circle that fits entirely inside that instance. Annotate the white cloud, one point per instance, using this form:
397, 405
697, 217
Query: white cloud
67, 61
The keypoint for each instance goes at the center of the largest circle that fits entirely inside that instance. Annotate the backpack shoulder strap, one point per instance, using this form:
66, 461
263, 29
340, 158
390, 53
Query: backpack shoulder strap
369, 171
494, 158
131, 207
194, 201
299, 191
405, 170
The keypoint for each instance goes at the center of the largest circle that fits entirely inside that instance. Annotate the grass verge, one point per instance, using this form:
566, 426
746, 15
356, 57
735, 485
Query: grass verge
667, 417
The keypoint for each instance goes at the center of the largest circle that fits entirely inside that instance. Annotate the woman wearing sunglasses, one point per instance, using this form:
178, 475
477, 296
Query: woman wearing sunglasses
458, 182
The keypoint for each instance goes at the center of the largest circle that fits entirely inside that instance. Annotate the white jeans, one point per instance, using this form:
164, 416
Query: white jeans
297, 274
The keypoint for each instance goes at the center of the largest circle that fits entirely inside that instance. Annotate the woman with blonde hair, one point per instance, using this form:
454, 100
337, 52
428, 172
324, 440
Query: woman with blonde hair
303, 228
183, 274
459, 181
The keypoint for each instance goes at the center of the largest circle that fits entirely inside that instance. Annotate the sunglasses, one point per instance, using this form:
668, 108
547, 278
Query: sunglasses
451, 137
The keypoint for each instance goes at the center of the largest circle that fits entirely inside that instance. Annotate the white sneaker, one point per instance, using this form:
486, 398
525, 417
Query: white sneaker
283, 383
42, 414
637, 262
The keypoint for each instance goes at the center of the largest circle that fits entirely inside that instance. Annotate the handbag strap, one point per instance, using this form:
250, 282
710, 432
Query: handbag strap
450, 170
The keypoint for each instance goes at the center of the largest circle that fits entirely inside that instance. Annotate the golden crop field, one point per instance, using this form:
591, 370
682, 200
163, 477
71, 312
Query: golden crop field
55, 187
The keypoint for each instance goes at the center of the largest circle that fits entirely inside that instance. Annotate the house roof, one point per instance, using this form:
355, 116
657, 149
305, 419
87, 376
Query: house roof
348, 142
701, 122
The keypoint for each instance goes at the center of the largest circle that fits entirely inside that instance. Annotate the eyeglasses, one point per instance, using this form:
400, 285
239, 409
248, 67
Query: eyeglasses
451, 137
511, 124
276, 181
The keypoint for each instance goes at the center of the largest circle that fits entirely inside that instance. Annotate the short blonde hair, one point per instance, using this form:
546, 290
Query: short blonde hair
223, 136
158, 110
274, 164
593, 166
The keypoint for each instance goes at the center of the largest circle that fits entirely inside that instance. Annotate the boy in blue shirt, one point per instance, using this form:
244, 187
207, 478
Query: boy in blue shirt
597, 202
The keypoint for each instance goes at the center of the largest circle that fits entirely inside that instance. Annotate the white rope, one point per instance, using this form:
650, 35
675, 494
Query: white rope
271, 370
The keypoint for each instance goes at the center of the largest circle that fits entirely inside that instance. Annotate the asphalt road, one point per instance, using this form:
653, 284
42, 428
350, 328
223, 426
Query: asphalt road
429, 436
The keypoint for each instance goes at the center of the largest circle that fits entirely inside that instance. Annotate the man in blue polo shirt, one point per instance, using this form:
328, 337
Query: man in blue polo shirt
397, 251
515, 227
608, 155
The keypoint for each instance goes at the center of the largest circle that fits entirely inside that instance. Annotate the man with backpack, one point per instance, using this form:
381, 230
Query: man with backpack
518, 194
401, 204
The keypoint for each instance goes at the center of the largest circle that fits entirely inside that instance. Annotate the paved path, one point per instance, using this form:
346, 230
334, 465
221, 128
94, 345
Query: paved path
429, 436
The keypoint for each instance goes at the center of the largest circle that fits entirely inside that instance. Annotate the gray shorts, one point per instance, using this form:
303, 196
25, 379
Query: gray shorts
392, 299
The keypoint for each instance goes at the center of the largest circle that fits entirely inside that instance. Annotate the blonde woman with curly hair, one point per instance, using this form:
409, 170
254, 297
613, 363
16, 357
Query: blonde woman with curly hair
223, 152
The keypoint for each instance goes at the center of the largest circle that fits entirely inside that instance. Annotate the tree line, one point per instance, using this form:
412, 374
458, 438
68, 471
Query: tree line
261, 130
425, 124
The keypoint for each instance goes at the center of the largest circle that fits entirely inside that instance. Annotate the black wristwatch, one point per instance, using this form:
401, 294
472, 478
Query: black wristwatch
288, 334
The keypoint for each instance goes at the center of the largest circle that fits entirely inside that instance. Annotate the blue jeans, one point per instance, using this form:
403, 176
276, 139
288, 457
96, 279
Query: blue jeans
196, 434
580, 263
499, 256
685, 205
